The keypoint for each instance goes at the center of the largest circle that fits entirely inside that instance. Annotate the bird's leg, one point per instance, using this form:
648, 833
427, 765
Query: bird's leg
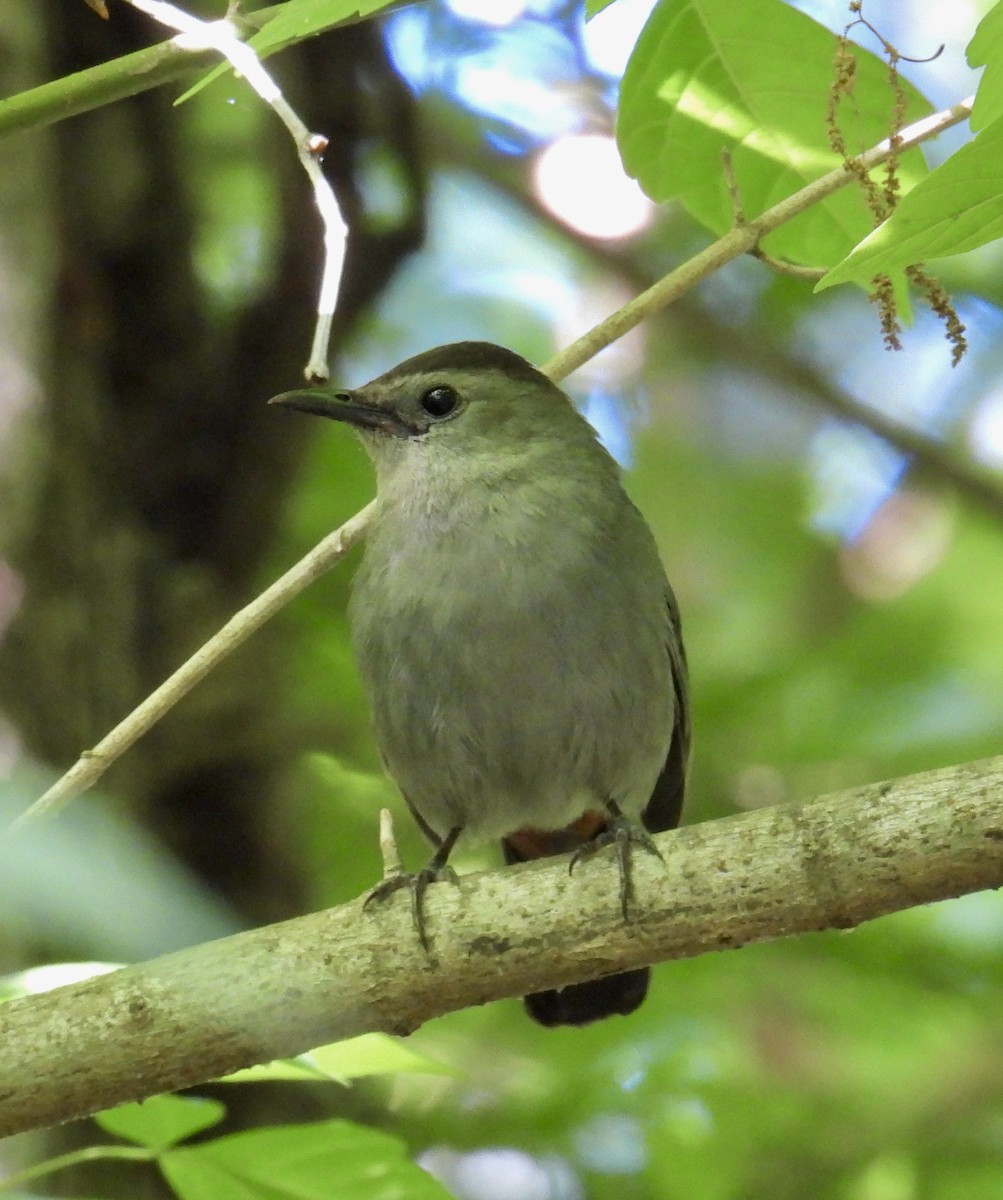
624, 834
438, 870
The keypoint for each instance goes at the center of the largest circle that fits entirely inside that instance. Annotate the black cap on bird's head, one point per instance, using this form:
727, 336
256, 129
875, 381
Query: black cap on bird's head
421, 392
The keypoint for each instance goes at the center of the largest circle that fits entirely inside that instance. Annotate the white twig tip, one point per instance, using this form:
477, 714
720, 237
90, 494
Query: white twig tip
388, 845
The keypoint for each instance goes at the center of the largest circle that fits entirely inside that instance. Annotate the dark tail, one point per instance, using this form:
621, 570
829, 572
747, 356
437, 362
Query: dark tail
578, 1003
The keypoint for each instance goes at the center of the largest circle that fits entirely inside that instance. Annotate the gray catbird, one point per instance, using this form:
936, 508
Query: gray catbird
516, 634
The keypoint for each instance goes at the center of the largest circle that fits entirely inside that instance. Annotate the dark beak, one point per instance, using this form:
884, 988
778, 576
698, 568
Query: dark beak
349, 407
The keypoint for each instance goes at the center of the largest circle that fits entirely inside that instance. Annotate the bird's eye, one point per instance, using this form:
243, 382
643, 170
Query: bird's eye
439, 401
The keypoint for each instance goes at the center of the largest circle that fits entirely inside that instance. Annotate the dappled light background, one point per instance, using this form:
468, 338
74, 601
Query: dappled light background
842, 607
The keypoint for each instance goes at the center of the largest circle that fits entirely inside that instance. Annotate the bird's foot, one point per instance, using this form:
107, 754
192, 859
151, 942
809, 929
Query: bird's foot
437, 871
624, 834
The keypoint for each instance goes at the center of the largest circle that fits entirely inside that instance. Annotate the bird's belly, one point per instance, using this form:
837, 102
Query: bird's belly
501, 716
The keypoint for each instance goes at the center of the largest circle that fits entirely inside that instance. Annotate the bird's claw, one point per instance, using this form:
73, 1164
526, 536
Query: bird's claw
624, 834
417, 884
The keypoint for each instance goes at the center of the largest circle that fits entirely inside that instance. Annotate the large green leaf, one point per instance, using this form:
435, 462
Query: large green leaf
752, 77
957, 208
301, 1162
355, 1058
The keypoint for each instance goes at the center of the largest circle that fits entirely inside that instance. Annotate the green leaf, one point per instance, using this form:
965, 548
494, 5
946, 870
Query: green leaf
280, 1070
297, 21
374, 1054
368, 1054
594, 7
301, 1162
161, 1121
753, 77
986, 50
300, 19
957, 208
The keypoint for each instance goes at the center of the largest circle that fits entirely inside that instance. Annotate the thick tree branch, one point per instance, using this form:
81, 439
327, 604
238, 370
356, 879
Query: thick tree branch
279, 990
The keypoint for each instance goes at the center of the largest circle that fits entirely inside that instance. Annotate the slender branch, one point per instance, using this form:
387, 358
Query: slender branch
754, 348
794, 270
92, 764
742, 239
277, 991
94, 87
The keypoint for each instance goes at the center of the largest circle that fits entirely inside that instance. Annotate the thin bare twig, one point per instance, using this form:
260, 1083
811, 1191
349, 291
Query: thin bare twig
728, 167
388, 845
809, 274
223, 37
794, 270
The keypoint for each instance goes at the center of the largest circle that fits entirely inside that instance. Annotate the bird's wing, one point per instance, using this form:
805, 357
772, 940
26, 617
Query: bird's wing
666, 804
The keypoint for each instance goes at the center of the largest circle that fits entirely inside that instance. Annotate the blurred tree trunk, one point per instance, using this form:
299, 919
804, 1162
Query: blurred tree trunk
157, 482
27, 268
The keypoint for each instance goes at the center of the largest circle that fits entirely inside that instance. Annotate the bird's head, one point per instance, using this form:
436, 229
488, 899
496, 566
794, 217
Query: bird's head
466, 403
